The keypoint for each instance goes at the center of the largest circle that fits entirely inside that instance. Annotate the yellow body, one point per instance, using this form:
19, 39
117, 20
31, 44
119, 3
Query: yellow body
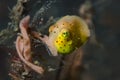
63, 42
68, 33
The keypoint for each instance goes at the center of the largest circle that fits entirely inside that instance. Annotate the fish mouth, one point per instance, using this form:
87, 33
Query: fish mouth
51, 49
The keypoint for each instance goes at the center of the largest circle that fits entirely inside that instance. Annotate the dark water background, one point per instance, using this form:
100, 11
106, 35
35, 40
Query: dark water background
102, 62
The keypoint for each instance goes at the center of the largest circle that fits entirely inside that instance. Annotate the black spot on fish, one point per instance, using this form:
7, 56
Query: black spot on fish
54, 31
56, 41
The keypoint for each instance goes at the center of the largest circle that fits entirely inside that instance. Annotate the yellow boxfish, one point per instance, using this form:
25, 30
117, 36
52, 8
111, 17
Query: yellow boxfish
67, 34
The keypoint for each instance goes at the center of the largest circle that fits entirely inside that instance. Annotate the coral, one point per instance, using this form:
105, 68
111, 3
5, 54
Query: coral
23, 46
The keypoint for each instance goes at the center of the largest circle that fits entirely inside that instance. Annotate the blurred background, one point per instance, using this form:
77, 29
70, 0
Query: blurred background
101, 61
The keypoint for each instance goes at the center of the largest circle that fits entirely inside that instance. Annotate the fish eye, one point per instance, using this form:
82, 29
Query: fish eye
65, 34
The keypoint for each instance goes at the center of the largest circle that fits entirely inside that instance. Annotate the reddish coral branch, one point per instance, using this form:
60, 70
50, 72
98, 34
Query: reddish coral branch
26, 40
23, 46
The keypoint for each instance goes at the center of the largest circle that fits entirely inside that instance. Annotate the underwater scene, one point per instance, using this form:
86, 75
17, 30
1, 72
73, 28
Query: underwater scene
59, 39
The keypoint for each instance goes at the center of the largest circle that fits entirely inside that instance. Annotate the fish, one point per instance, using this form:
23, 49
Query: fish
67, 34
